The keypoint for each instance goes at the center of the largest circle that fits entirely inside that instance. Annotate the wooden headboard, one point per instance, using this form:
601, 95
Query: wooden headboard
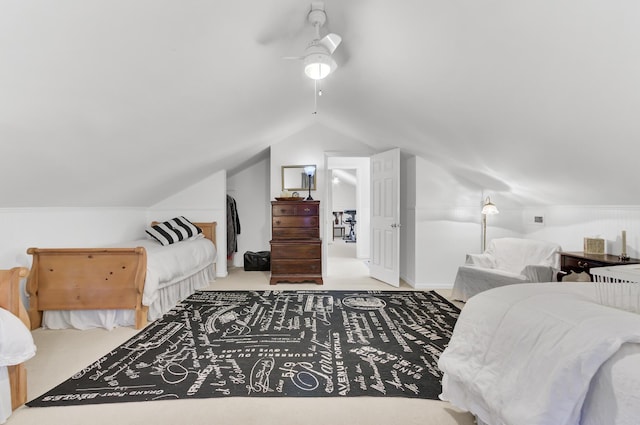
10, 300
208, 229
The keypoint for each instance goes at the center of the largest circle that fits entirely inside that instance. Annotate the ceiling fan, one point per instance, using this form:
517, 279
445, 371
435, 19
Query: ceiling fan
318, 62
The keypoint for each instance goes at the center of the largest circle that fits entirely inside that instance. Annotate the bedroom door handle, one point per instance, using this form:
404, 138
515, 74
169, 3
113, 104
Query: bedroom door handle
394, 225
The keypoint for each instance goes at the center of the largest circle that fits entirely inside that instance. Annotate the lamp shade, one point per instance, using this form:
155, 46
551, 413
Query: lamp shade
489, 208
318, 65
310, 170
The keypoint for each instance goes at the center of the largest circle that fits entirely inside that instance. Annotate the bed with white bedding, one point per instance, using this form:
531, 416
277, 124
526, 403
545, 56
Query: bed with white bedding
121, 285
544, 353
16, 343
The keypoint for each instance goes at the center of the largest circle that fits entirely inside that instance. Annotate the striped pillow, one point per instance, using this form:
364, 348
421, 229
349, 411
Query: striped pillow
174, 230
187, 229
164, 234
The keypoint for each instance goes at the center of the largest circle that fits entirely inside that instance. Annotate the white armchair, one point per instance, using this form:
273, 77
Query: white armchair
507, 261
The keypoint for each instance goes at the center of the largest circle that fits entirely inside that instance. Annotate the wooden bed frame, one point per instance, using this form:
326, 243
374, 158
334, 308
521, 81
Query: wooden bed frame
10, 300
91, 279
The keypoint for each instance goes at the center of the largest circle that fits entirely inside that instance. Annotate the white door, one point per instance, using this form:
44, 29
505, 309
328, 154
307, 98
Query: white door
385, 217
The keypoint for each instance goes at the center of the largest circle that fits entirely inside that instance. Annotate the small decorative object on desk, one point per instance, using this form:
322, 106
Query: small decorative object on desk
618, 286
285, 195
593, 246
623, 255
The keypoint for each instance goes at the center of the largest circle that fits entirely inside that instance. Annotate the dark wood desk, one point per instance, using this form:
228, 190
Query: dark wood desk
581, 262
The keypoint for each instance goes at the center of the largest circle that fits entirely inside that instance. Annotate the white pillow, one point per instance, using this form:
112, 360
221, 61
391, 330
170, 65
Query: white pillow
185, 227
16, 342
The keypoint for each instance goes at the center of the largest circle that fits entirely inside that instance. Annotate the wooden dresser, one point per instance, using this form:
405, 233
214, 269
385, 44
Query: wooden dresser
296, 247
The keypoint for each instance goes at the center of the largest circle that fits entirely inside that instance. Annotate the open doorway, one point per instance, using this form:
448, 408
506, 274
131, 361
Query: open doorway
347, 215
344, 210
378, 212
344, 205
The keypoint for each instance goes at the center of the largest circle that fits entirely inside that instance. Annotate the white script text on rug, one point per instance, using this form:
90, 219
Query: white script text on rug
275, 343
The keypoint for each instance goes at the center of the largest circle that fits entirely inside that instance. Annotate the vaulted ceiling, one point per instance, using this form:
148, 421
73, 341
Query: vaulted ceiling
123, 102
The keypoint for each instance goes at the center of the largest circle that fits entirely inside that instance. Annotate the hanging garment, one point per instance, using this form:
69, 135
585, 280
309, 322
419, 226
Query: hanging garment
233, 226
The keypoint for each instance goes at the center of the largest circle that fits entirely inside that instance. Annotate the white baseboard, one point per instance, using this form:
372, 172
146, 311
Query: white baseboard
429, 286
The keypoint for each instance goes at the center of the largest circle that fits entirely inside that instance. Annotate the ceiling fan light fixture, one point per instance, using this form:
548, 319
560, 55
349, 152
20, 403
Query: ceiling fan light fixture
317, 66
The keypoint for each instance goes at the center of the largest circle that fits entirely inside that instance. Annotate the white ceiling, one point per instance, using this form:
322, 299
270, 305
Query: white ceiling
123, 102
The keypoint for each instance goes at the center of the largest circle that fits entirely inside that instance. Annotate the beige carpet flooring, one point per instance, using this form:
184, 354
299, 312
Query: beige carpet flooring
64, 352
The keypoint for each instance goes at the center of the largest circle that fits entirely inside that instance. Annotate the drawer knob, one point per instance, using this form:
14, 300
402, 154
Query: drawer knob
278, 222
307, 210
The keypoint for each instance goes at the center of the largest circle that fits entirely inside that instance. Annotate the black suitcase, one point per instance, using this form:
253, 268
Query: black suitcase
257, 261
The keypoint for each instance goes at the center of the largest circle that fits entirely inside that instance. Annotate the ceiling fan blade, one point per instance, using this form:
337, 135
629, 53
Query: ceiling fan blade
334, 65
293, 57
342, 55
331, 42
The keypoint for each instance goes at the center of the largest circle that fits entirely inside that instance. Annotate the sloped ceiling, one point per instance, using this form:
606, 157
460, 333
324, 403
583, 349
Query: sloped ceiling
124, 102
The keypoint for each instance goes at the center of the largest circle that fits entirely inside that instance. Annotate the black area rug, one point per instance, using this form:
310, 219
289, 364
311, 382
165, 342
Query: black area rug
275, 343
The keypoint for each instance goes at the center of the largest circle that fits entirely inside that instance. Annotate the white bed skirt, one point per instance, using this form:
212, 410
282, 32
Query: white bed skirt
168, 296
5, 395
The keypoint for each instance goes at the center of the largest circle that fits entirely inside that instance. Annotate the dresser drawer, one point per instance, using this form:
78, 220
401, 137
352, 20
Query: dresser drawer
295, 233
295, 251
285, 267
573, 263
294, 209
295, 221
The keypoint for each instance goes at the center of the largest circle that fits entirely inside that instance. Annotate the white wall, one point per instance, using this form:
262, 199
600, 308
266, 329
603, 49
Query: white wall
308, 147
343, 195
250, 189
408, 244
569, 225
203, 201
22, 228
363, 207
443, 223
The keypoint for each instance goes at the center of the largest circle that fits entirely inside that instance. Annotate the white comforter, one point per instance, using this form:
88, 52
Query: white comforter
167, 264
16, 346
526, 354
